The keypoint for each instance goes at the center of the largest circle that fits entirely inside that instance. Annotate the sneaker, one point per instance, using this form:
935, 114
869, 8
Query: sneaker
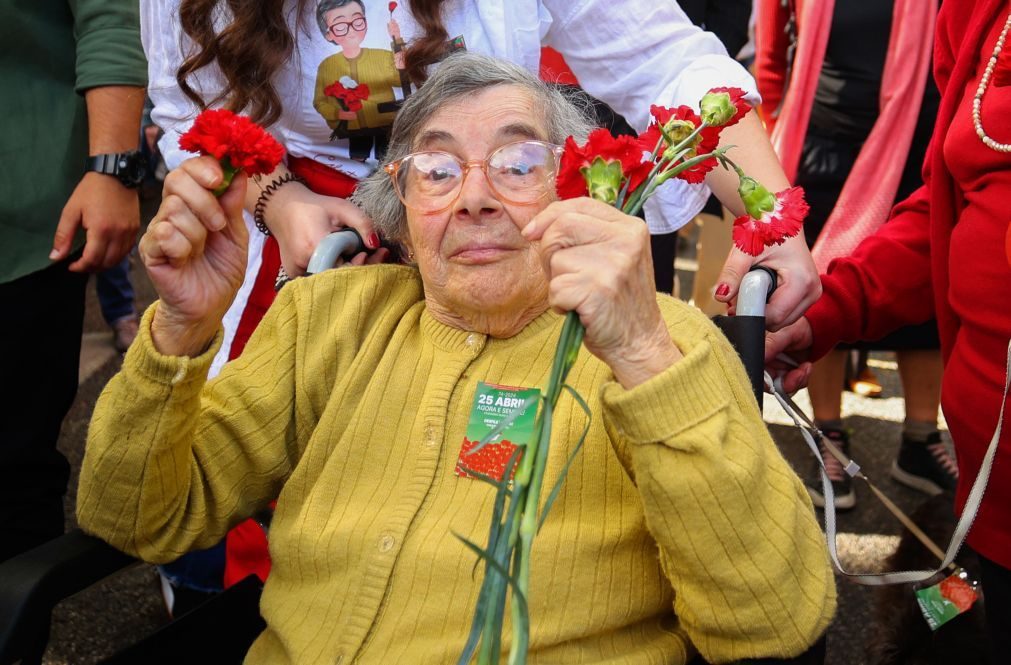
926, 466
842, 482
124, 331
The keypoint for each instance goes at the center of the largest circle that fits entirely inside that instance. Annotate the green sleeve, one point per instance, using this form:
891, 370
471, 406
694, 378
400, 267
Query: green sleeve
109, 51
172, 462
737, 534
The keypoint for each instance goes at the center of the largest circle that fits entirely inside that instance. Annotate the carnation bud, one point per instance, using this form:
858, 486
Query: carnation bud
676, 131
603, 179
717, 108
757, 199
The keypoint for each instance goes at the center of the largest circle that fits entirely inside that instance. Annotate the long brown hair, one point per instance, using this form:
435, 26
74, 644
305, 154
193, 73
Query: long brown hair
258, 41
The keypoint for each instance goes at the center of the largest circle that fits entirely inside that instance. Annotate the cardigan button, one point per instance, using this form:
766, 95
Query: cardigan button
386, 542
430, 436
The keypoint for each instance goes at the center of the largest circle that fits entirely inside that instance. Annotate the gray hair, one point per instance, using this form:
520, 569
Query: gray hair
329, 5
460, 75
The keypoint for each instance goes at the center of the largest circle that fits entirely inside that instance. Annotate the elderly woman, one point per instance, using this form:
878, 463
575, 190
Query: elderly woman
680, 527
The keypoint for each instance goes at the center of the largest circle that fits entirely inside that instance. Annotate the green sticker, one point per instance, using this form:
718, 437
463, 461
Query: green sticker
505, 411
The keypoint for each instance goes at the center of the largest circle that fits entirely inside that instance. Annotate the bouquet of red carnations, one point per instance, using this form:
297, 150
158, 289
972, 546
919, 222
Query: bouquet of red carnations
349, 95
623, 171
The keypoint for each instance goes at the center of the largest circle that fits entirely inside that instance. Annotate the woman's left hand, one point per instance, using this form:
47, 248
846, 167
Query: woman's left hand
599, 265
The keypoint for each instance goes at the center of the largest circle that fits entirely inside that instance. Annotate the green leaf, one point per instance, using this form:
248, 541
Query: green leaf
565, 469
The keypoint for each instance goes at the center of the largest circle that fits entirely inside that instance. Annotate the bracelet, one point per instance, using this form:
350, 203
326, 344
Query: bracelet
261, 202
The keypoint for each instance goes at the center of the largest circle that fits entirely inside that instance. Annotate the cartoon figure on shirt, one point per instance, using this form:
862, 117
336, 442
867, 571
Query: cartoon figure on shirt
355, 88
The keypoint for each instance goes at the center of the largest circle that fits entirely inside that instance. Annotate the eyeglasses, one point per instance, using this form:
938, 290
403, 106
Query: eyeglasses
520, 173
341, 28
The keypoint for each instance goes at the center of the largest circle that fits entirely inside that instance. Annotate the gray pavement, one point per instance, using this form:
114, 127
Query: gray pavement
103, 619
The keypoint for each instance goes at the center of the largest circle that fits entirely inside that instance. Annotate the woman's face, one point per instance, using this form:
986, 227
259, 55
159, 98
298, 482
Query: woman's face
471, 256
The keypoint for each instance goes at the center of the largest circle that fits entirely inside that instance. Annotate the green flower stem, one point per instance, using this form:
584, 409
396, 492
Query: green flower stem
229, 172
658, 164
636, 205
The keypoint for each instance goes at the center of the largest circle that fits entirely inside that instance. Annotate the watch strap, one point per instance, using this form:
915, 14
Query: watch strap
121, 165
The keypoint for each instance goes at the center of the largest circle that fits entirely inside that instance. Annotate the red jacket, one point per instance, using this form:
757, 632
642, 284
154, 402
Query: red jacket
900, 275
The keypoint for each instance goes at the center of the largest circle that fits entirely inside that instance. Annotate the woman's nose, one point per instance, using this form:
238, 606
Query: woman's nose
476, 197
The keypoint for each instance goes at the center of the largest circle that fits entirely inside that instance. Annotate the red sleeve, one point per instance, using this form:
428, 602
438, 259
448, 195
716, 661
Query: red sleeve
884, 285
771, 46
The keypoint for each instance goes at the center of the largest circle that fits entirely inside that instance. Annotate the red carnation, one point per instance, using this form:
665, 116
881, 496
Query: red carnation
710, 139
771, 227
349, 96
392, 6
585, 168
724, 107
234, 140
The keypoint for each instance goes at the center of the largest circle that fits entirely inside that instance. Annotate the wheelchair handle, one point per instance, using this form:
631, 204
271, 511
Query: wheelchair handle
756, 289
345, 242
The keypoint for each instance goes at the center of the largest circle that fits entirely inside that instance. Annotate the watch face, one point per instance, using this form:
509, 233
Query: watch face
130, 168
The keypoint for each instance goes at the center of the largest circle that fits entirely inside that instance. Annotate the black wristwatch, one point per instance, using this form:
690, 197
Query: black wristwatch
128, 167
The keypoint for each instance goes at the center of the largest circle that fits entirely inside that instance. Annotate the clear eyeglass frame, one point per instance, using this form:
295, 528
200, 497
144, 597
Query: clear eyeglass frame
400, 170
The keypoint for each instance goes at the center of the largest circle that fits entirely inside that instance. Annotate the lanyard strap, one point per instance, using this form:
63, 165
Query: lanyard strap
810, 431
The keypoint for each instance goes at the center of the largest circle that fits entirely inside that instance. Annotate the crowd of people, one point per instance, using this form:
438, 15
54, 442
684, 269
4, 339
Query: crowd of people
308, 435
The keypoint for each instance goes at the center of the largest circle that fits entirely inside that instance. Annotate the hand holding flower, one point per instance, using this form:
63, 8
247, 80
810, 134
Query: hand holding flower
194, 251
195, 247
599, 265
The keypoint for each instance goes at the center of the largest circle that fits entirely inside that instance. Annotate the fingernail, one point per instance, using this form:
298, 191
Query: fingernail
722, 291
373, 240
53, 255
527, 230
220, 222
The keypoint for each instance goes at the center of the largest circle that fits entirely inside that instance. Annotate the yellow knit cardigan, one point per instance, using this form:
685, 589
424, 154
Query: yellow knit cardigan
680, 525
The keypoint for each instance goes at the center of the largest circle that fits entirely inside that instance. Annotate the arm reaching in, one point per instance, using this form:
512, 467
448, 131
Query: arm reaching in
799, 286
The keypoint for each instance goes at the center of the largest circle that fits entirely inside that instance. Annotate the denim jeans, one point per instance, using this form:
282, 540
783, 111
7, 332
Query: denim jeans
115, 292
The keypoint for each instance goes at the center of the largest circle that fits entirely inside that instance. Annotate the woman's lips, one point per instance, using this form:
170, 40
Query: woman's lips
480, 253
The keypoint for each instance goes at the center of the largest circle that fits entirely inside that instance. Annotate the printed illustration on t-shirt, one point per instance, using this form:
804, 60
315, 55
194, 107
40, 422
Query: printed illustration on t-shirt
359, 89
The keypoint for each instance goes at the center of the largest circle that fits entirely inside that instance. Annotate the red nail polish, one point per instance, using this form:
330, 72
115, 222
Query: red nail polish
374, 240
723, 290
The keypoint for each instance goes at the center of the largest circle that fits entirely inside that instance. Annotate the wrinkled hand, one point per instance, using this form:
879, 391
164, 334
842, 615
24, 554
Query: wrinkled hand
299, 219
195, 254
798, 288
786, 353
110, 215
599, 265
346, 115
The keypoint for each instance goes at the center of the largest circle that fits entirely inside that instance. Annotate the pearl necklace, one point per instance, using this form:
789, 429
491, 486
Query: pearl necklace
977, 102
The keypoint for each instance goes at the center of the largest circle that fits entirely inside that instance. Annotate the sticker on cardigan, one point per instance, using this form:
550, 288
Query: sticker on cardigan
508, 413
942, 602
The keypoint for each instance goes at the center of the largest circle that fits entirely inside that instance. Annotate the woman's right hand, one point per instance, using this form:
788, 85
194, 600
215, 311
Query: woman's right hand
194, 251
300, 219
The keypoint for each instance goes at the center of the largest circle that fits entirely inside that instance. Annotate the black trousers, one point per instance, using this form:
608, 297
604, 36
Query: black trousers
40, 342
997, 596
